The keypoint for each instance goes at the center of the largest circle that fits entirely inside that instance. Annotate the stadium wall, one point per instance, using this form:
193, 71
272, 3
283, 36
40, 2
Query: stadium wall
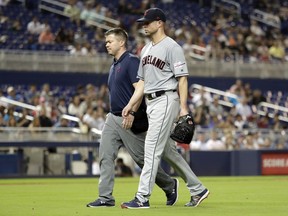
203, 163
74, 79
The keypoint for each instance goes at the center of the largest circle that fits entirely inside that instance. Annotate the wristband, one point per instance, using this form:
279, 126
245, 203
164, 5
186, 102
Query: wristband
132, 113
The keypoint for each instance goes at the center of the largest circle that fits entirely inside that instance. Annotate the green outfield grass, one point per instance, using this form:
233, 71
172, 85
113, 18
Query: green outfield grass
230, 196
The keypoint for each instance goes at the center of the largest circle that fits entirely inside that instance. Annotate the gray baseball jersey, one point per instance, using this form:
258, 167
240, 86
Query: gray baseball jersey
160, 66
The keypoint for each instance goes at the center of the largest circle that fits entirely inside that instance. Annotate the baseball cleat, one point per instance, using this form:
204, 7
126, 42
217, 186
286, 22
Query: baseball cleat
197, 199
100, 203
173, 197
135, 204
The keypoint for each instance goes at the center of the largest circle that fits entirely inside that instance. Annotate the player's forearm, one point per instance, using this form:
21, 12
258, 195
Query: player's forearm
183, 94
138, 95
137, 104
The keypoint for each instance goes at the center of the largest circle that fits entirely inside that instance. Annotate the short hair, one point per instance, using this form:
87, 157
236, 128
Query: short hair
119, 32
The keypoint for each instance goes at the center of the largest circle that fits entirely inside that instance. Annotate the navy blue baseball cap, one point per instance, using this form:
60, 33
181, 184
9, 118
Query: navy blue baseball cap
153, 14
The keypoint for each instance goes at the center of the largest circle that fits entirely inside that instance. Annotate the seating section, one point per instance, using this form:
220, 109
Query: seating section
180, 13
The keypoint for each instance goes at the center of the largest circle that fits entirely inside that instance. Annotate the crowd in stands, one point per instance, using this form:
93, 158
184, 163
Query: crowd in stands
223, 35
88, 103
230, 127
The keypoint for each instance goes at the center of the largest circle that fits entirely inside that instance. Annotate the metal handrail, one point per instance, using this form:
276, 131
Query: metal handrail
42, 6
229, 104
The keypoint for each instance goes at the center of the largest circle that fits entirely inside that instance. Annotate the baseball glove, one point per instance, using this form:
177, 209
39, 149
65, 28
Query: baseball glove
183, 131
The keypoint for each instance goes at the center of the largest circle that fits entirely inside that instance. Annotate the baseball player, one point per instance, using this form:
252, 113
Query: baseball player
162, 72
121, 82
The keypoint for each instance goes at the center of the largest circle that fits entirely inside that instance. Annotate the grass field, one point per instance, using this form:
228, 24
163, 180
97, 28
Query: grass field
230, 196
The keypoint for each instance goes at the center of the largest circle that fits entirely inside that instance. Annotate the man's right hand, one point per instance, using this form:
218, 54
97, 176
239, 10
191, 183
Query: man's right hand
127, 118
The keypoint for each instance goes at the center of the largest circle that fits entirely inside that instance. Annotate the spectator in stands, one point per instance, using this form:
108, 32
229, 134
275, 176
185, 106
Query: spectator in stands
214, 143
61, 106
199, 142
46, 93
243, 108
77, 50
30, 93
30, 43
100, 117
266, 144
73, 11
64, 36
90, 51
247, 91
34, 26
121, 169
229, 140
11, 94
98, 36
257, 97
23, 121
98, 13
46, 36
86, 13
250, 43
94, 117
215, 108
201, 97
263, 51
256, 29
277, 52
74, 107
12, 122
239, 122
16, 25
249, 142
263, 122
227, 123
276, 124
61, 123
88, 117
35, 123
201, 115
281, 144
140, 43
3, 19
214, 121
238, 89
45, 121
9, 114
80, 37
61, 35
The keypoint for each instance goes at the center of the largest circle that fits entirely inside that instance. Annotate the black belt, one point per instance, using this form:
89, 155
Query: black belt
157, 94
117, 113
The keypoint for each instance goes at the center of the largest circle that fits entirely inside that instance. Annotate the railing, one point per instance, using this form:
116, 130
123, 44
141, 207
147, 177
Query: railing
267, 18
51, 61
228, 5
19, 60
7, 102
223, 101
58, 8
275, 108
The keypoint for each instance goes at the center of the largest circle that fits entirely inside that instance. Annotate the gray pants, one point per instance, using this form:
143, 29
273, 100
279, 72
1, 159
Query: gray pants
162, 112
112, 138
